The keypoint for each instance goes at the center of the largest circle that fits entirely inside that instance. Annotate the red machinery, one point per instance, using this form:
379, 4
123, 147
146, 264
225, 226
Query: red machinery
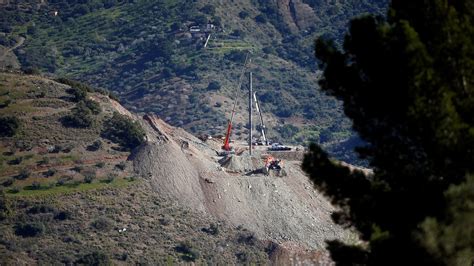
226, 146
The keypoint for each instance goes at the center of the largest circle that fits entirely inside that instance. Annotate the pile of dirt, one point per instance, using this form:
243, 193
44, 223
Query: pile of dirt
244, 163
277, 209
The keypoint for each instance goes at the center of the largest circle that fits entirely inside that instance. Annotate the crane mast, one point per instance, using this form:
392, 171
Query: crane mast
262, 124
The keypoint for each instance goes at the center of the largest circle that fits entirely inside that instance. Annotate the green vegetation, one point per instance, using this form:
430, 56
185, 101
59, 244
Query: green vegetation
9, 126
142, 50
29, 229
83, 115
120, 129
407, 84
80, 116
68, 188
4, 206
189, 253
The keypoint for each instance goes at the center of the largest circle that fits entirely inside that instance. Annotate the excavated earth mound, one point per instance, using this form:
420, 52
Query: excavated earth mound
281, 209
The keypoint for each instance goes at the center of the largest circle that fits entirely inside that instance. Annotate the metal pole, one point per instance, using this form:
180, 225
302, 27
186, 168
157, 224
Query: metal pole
250, 112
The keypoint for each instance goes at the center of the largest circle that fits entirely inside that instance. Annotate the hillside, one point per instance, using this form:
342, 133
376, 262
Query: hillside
69, 189
145, 52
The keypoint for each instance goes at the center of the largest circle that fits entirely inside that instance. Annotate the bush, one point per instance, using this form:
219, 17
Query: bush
102, 224
214, 86
29, 229
37, 209
4, 206
78, 94
81, 116
93, 106
244, 14
9, 126
121, 166
212, 230
188, 251
120, 129
43, 161
63, 180
100, 165
63, 215
50, 172
16, 161
24, 174
89, 177
261, 19
110, 178
95, 146
95, 258
208, 9
8, 182
35, 186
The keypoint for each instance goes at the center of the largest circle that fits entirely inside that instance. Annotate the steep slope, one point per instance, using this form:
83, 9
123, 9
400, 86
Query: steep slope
67, 193
281, 209
66, 199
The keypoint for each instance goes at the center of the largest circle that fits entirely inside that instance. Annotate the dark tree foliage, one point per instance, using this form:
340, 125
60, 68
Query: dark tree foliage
4, 206
120, 129
9, 126
214, 86
81, 116
407, 84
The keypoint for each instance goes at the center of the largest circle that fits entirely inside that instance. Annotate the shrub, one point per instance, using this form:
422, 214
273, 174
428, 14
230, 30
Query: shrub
16, 161
77, 168
110, 178
14, 190
189, 253
63, 215
4, 206
121, 166
35, 186
214, 86
93, 106
43, 161
89, 176
102, 224
37, 209
80, 116
24, 174
244, 14
29, 229
236, 56
261, 19
8, 182
95, 146
95, 258
120, 129
63, 180
100, 165
78, 94
212, 230
247, 238
208, 9
50, 172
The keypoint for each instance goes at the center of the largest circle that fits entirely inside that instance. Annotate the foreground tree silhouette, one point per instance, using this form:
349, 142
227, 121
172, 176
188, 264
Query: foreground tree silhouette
407, 84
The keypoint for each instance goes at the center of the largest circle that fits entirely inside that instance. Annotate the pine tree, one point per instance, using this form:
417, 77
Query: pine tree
406, 81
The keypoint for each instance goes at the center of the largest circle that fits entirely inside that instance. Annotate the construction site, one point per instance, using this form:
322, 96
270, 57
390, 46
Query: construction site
247, 183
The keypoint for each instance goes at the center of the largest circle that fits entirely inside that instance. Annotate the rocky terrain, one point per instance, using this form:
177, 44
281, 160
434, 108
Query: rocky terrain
169, 199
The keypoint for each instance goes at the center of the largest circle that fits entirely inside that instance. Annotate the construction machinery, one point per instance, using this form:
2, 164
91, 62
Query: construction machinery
275, 165
226, 146
227, 149
263, 138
